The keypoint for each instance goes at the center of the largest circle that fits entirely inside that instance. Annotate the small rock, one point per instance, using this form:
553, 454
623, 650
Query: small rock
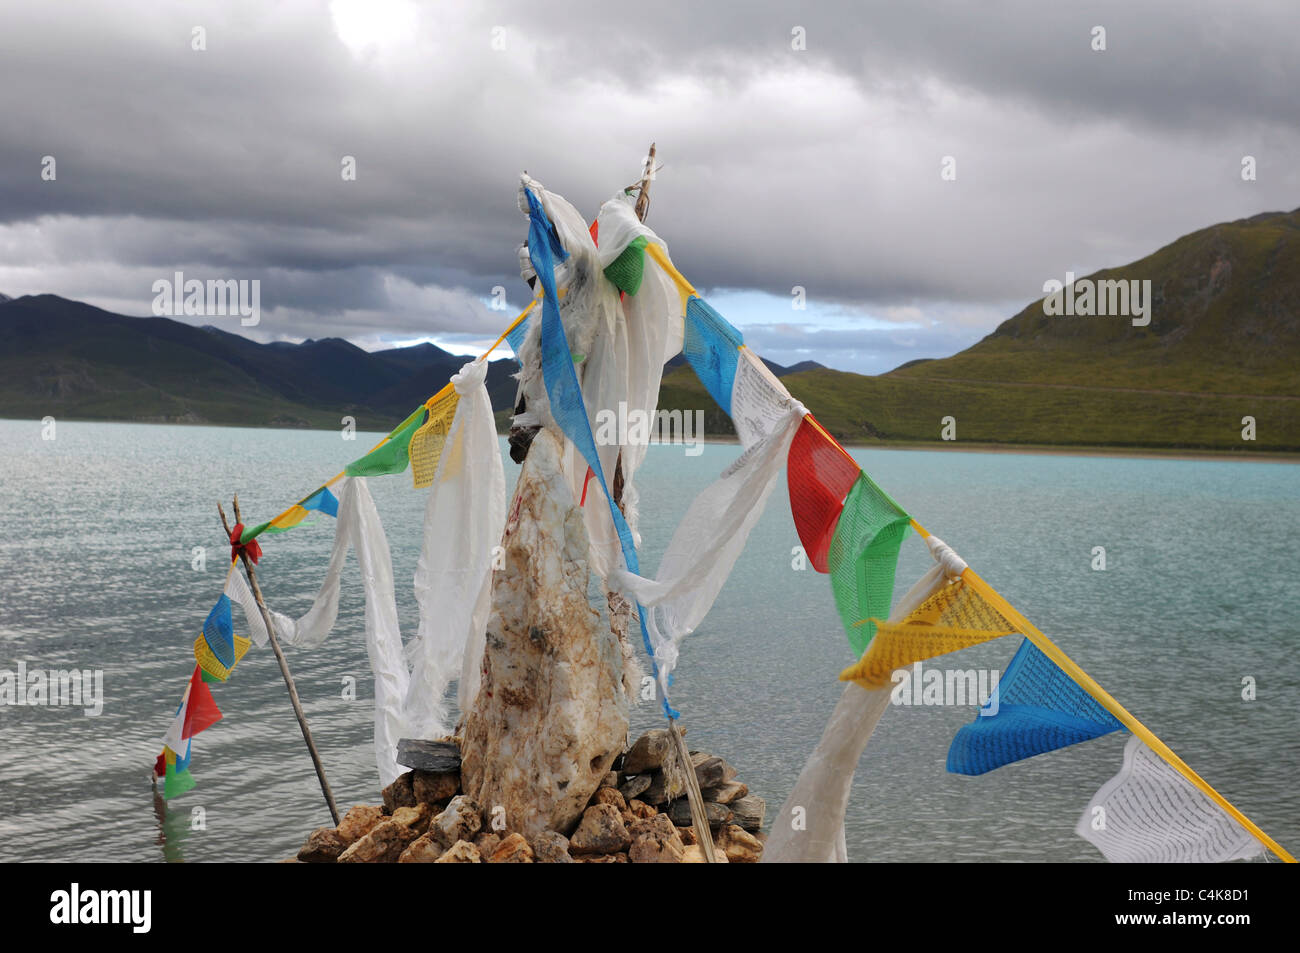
641, 808
423, 850
634, 786
430, 788
601, 858
439, 757
550, 847
711, 772
649, 752
609, 796
727, 792
461, 852
513, 849
740, 846
323, 846
359, 822
460, 820
610, 780
400, 793
687, 834
749, 812
601, 831
694, 854
680, 812
383, 845
414, 818
656, 841
486, 842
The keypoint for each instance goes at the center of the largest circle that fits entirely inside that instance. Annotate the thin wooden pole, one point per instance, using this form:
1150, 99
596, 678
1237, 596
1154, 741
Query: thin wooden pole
284, 667
694, 796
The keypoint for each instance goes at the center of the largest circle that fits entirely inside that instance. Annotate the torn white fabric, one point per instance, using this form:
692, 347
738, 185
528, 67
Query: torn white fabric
1149, 813
706, 544
810, 826
359, 527
239, 593
463, 520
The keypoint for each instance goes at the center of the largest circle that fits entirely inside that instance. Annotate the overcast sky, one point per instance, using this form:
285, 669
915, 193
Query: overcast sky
818, 167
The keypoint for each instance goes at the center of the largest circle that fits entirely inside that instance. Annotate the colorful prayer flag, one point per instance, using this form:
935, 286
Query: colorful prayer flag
1036, 708
953, 618
863, 557
392, 456
819, 475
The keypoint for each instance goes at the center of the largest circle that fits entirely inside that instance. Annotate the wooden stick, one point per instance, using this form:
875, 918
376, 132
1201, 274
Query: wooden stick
643, 200
284, 667
694, 796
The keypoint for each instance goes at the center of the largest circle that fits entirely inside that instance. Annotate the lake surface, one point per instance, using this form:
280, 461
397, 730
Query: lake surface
1200, 590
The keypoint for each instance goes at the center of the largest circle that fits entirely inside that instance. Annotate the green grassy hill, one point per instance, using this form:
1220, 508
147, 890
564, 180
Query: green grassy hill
1223, 343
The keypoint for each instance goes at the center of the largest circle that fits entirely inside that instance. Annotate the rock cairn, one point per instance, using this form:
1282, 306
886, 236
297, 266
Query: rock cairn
638, 815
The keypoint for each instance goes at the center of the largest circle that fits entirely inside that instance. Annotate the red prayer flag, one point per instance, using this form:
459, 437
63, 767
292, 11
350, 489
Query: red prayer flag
201, 710
819, 474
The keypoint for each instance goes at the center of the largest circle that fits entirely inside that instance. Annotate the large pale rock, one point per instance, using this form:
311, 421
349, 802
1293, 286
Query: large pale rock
550, 715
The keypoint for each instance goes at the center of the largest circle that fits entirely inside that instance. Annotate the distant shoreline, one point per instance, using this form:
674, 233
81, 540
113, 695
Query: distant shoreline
1062, 450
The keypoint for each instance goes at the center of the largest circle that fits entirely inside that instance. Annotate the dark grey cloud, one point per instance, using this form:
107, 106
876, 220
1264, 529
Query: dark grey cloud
817, 168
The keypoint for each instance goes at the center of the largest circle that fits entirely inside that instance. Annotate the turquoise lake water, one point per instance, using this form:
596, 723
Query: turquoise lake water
1200, 591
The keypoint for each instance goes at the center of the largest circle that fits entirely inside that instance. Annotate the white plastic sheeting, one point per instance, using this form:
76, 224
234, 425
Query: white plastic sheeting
359, 527
463, 520
810, 826
1149, 813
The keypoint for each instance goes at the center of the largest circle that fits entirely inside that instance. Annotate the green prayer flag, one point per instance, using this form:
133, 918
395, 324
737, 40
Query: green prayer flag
627, 270
177, 782
394, 455
863, 557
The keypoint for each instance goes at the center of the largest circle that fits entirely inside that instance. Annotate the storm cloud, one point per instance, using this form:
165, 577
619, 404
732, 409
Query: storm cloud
817, 167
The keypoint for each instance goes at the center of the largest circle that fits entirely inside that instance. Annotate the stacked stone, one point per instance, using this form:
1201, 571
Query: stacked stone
639, 815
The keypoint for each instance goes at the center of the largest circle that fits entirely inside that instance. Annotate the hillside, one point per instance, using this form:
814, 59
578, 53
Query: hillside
66, 358
1223, 343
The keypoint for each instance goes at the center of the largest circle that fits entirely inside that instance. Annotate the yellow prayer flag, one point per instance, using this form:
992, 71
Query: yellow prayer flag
210, 664
427, 443
953, 618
